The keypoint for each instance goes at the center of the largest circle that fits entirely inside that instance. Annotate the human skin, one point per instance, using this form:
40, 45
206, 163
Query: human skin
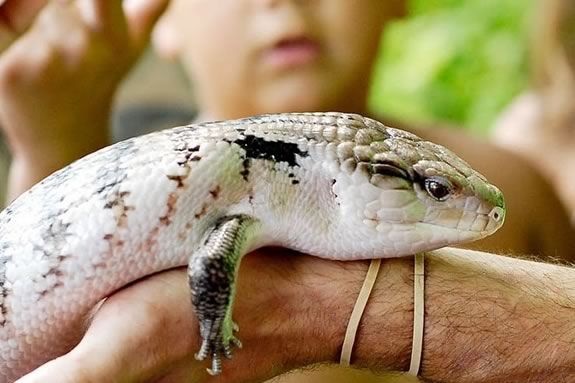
535, 210
487, 319
227, 50
62, 61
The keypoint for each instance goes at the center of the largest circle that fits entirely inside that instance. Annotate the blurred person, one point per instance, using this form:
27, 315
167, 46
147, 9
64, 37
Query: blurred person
243, 57
540, 123
59, 72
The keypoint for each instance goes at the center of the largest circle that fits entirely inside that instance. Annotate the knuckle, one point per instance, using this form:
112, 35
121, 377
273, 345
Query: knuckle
81, 41
18, 68
10, 74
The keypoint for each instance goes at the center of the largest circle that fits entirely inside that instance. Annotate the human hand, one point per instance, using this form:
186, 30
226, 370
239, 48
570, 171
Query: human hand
484, 313
58, 75
16, 16
291, 309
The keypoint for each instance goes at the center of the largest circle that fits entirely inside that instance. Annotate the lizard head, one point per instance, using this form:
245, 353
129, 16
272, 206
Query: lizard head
415, 195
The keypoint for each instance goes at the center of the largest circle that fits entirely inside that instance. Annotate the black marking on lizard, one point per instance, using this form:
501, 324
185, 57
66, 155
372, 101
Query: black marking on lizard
246, 164
188, 151
258, 148
117, 200
54, 238
3, 291
111, 170
277, 151
332, 183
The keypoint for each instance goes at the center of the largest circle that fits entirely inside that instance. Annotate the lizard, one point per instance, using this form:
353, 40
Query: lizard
334, 185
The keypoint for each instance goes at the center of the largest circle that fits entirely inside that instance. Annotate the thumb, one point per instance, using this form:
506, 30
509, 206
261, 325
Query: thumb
141, 16
137, 334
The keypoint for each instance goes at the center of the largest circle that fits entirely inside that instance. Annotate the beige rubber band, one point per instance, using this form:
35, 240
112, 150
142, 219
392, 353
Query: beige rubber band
357, 312
418, 311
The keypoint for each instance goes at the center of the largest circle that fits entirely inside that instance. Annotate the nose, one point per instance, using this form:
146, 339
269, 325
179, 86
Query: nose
497, 214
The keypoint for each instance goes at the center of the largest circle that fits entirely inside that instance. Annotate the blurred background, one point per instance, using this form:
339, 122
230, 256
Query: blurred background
458, 62
454, 61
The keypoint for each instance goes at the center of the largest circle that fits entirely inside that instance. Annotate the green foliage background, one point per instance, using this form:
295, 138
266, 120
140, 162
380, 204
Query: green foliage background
454, 61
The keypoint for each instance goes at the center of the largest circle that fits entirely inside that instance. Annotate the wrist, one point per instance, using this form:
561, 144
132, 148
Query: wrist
32, 163
57, 150
326, 300
302, 305
384, 337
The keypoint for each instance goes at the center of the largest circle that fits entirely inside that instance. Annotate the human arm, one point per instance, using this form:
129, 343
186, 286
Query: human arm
59, 75
488, 319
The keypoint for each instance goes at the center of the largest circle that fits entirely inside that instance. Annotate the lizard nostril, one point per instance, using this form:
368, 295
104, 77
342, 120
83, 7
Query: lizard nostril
497, 214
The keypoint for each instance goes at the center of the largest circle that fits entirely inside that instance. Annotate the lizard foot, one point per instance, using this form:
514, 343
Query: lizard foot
218, 343
212, 271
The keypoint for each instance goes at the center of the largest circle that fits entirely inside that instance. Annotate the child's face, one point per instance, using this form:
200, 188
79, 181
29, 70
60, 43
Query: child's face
260, 56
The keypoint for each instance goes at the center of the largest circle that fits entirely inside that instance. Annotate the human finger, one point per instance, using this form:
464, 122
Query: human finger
105, 16
15, 17
133, 335
141, 17
18, 15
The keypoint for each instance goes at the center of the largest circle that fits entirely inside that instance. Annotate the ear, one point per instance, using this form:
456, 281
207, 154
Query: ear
165, 39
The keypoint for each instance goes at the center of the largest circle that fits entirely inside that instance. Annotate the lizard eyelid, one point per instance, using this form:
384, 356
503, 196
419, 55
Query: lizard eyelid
390, 170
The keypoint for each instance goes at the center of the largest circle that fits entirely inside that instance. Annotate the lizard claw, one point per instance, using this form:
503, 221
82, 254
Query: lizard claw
228, 352
204, 351
236, 342
216, 345
216, 364
216, 350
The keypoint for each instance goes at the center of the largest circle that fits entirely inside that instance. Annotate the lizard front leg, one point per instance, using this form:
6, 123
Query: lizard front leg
212, 273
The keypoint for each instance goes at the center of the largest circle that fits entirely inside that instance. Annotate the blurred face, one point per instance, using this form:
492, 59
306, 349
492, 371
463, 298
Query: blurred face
261, 56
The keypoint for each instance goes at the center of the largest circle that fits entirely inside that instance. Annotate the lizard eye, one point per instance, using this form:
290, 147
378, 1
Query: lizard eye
438, 188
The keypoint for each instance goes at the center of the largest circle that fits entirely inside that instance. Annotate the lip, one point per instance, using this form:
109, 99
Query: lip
292, 52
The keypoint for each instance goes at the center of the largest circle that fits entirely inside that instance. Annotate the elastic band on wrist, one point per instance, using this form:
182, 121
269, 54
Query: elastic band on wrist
418, 313
357, 312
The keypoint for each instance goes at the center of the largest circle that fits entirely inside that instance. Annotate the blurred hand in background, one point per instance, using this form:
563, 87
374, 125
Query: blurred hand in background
59, 69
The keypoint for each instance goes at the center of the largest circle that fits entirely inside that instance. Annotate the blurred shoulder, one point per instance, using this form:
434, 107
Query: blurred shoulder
518, 122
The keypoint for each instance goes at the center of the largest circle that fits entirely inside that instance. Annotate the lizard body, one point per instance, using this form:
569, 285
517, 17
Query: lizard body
334, 185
